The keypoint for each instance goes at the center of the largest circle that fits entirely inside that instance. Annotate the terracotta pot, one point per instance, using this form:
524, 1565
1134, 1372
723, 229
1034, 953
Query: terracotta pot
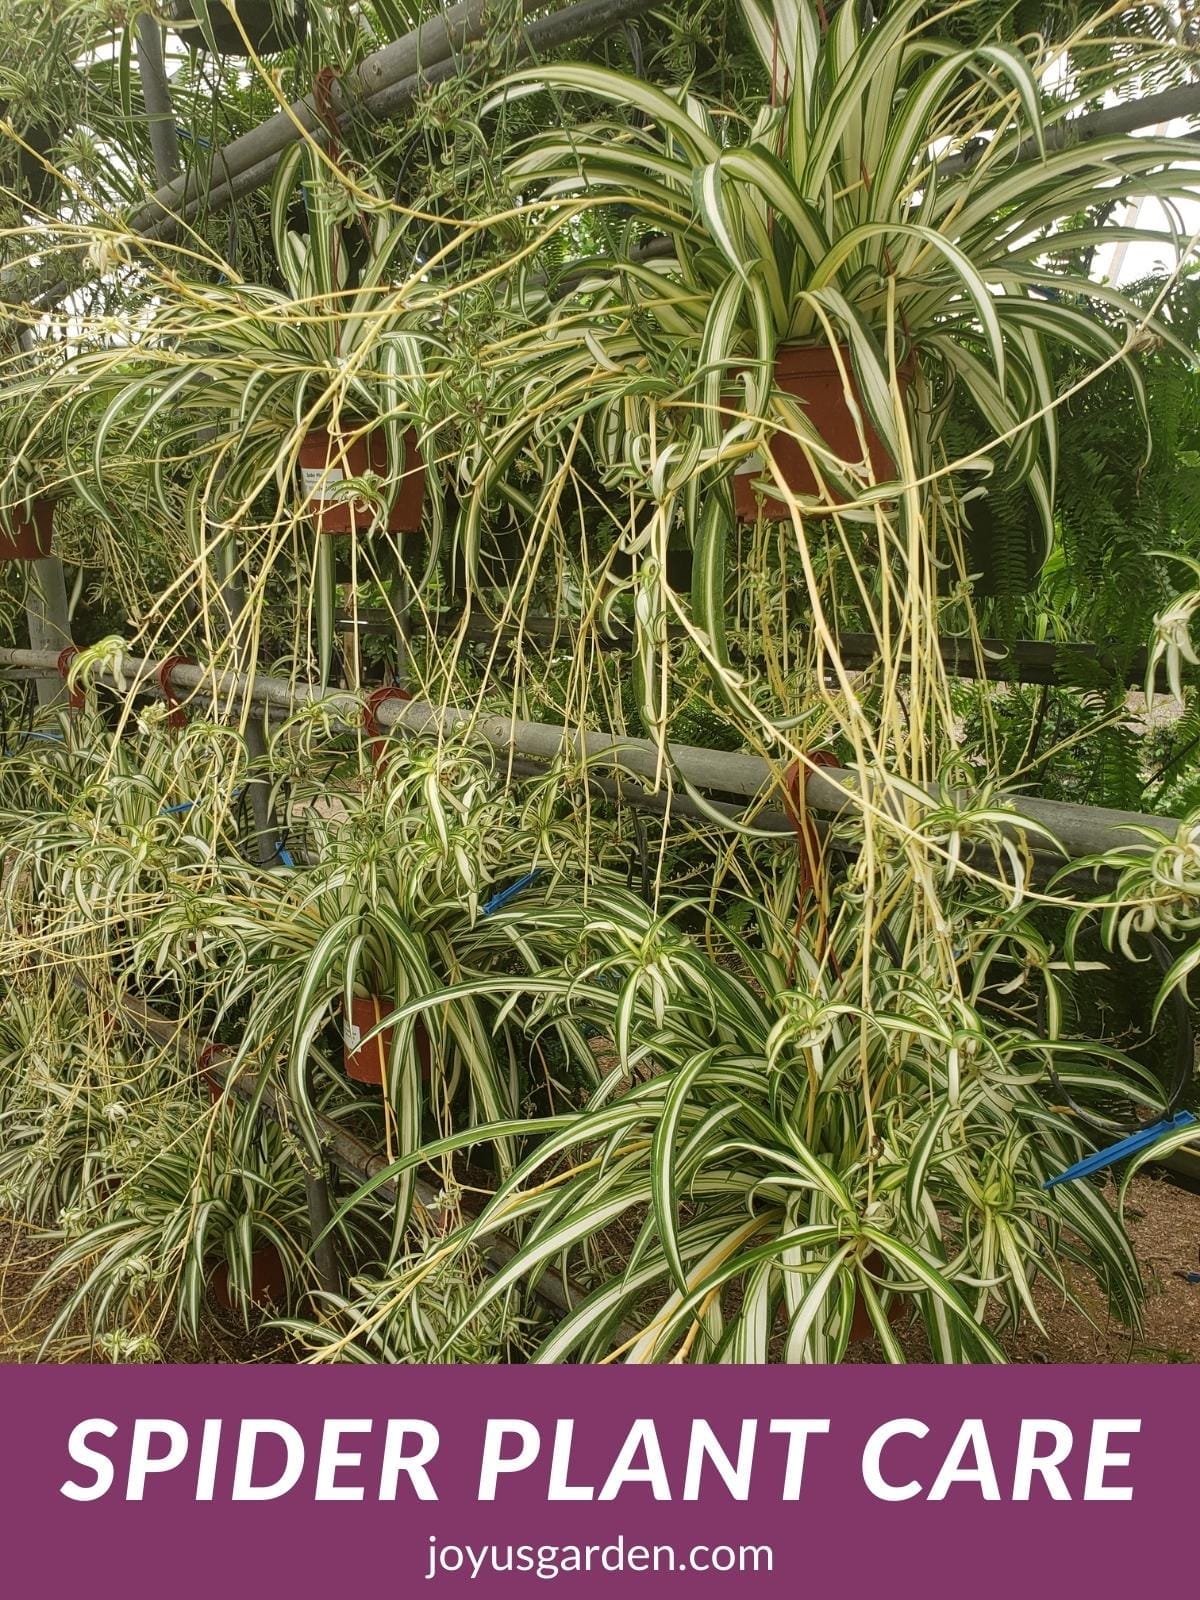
267, 1282
861, 1326
378, 740
810, 372
214, 1083
31, 537
366, 1063
324, 463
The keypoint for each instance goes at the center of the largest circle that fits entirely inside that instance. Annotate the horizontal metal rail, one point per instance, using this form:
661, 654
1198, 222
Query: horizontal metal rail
1078, 830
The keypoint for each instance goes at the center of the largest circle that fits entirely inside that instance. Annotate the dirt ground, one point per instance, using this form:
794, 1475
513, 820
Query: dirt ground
1164, 1223
24, 1324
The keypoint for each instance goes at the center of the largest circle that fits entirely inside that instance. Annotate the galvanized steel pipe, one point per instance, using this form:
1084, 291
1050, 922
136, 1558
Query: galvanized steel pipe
1080, 830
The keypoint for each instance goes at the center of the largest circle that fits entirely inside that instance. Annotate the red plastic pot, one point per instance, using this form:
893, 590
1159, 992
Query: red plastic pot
267, 1282
367, 1062
810, 372
31, 536
324, 463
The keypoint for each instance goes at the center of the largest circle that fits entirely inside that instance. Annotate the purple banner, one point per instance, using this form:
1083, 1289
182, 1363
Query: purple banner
195, 1481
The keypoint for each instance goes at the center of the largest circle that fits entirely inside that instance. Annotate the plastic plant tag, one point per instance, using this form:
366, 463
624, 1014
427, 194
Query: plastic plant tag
316, 481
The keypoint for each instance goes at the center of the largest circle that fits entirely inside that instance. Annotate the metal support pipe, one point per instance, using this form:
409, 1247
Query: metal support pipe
1171, 105
261, 147
46, 614
384, 84
1080, 830
156, 92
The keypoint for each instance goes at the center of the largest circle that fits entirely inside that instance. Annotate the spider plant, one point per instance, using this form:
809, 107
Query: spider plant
772, 1150
892, 196
409, 892
35, 473
368, 1324
138, 1192
55, 1095
103, 833
245, 375
65, 90
1157, 890
187, 1202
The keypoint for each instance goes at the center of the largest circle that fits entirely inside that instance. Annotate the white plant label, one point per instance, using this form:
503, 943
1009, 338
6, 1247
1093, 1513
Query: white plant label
352, 1034
318, 480
752, 463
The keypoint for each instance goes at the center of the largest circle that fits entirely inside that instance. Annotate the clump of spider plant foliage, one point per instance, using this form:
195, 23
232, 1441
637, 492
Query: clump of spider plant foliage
737, 1122
778, 1115
400, 895
139, 1189
792, 1132
436, 1315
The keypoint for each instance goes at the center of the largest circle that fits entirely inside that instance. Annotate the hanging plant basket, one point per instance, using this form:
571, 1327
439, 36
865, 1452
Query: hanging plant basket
267, 1282
679, 570
269, 27
29, 535
811, 373
367, 1063
324, 464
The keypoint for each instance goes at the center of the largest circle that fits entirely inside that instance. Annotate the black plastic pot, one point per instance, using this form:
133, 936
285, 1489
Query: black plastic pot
1004, 541
37, 185
269, 25
679, 568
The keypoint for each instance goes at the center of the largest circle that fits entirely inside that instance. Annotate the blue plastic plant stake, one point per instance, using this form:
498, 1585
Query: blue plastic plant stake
1113, 1153
187, 805
505, 895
